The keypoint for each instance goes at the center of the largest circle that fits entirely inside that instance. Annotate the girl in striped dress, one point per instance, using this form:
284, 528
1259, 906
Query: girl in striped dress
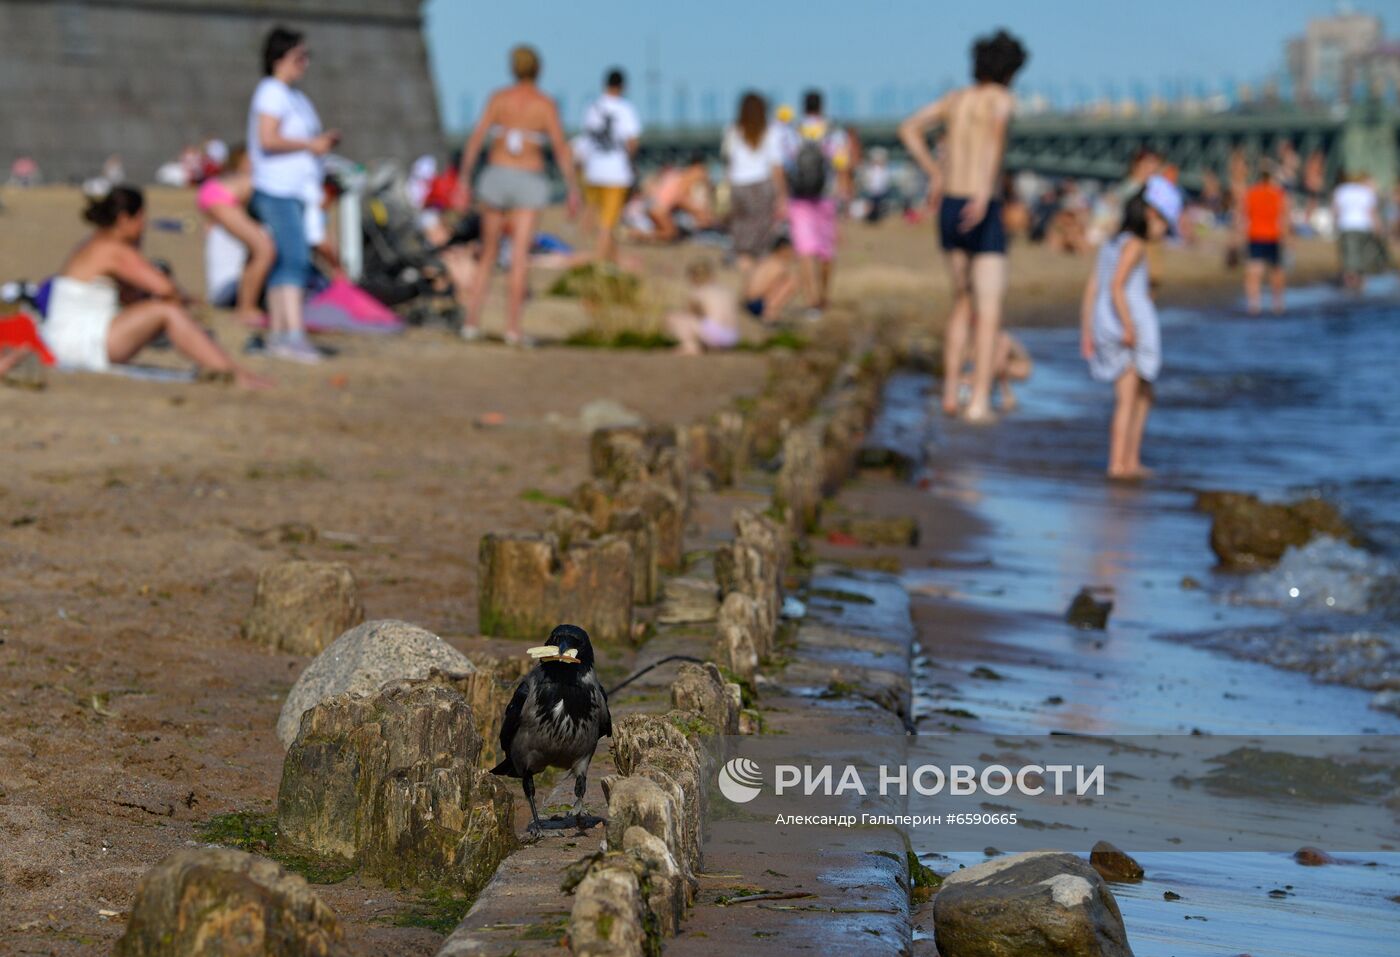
1119, 335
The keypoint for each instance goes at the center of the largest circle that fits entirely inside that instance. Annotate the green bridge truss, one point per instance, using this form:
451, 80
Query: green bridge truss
1362, 137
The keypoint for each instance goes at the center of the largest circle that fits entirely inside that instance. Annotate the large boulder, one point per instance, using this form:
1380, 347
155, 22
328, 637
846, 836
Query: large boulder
301, 607
1248, 533
529, 584
218, 901
392, 783
362, 661
1028, 905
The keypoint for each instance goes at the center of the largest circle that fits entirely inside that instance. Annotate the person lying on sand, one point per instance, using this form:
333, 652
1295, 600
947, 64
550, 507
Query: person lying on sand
772, 282
87, 327
711, 319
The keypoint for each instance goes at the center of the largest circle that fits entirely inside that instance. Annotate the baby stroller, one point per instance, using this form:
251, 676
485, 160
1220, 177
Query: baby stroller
400, 269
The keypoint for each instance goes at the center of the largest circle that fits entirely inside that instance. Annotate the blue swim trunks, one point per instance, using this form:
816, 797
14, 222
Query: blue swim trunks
988, 236
1266, 251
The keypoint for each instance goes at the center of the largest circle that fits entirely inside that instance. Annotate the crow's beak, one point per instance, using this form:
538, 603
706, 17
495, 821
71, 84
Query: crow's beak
552, 653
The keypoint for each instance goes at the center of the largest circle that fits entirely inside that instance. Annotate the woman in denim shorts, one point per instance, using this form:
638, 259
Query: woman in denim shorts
286, 143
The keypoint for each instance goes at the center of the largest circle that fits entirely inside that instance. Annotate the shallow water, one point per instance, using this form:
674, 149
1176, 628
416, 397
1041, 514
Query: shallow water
1307, 403
1301, 404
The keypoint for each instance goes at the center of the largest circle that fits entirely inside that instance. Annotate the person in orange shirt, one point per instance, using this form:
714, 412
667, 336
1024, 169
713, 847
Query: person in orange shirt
1265, 223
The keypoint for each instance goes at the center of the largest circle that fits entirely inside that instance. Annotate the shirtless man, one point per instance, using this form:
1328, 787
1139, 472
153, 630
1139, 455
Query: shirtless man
975, 119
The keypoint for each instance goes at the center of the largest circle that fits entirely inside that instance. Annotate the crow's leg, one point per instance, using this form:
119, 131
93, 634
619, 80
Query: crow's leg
581, 818
580, 786
528, 780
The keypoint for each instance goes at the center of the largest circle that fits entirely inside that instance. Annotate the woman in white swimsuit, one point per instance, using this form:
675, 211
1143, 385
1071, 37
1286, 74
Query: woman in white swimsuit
86, 326
513, 187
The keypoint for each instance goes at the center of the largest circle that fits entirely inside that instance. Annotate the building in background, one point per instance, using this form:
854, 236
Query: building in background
1340, 55
84, 79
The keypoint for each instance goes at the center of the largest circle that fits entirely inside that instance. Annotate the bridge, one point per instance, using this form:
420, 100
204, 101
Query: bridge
1362, 137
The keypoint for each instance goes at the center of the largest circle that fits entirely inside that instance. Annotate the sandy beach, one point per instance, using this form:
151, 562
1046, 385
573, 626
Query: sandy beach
135, 516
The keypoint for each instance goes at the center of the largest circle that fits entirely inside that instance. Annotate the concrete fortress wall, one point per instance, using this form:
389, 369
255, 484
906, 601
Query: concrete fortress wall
81, 79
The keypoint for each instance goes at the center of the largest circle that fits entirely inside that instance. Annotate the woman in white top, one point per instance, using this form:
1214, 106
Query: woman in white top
286, 143
87, 328
758, 189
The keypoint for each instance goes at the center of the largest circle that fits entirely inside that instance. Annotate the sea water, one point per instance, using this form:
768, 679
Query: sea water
1307, 403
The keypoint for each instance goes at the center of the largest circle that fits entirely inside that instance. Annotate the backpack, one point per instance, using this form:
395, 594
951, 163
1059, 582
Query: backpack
809, 170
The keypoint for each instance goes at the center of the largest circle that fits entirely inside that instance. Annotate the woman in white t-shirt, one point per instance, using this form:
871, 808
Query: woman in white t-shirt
286, 143
753, 152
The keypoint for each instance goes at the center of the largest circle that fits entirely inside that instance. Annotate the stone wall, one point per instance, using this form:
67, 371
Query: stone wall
86, 78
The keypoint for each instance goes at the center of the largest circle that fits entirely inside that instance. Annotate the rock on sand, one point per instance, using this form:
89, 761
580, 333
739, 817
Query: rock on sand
1028, 905
362, 661
214, 900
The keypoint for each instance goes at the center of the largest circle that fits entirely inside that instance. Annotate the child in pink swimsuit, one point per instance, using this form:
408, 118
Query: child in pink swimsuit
712, 319
223, 199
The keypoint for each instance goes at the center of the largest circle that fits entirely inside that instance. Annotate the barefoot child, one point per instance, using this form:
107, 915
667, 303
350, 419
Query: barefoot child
1119, 335
1013, 364
771, 283
711, 319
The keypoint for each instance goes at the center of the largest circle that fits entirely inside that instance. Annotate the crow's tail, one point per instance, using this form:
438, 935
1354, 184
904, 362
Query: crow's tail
506, 769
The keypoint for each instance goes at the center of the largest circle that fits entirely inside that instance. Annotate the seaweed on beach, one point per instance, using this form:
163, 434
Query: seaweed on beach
1255, 772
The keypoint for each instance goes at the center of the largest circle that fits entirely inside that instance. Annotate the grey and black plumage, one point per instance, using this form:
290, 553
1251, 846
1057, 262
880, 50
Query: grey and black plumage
558, 713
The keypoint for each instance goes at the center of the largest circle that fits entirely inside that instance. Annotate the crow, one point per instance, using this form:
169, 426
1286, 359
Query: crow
558, 713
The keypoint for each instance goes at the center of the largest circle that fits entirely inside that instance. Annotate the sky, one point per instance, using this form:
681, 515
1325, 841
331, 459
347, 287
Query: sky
873, 57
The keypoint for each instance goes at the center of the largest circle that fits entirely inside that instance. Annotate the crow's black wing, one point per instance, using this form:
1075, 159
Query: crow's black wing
510, 724
605, 722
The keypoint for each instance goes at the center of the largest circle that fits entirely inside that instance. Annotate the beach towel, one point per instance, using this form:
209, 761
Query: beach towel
358, 304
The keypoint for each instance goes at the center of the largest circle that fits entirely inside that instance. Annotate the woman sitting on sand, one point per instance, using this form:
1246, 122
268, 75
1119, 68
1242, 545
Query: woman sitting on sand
86, 326
513, 187
224, 200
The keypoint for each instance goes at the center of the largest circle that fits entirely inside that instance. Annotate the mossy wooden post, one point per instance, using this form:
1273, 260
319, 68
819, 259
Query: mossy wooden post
529, 585
391, 783
664, 507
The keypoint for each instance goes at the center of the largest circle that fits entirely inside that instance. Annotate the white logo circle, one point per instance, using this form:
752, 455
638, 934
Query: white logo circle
740, 780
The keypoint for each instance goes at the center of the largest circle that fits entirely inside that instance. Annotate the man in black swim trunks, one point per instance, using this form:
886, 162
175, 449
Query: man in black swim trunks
975, 119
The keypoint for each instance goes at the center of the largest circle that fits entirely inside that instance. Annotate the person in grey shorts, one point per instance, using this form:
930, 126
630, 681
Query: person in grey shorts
505, 187
518, 120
